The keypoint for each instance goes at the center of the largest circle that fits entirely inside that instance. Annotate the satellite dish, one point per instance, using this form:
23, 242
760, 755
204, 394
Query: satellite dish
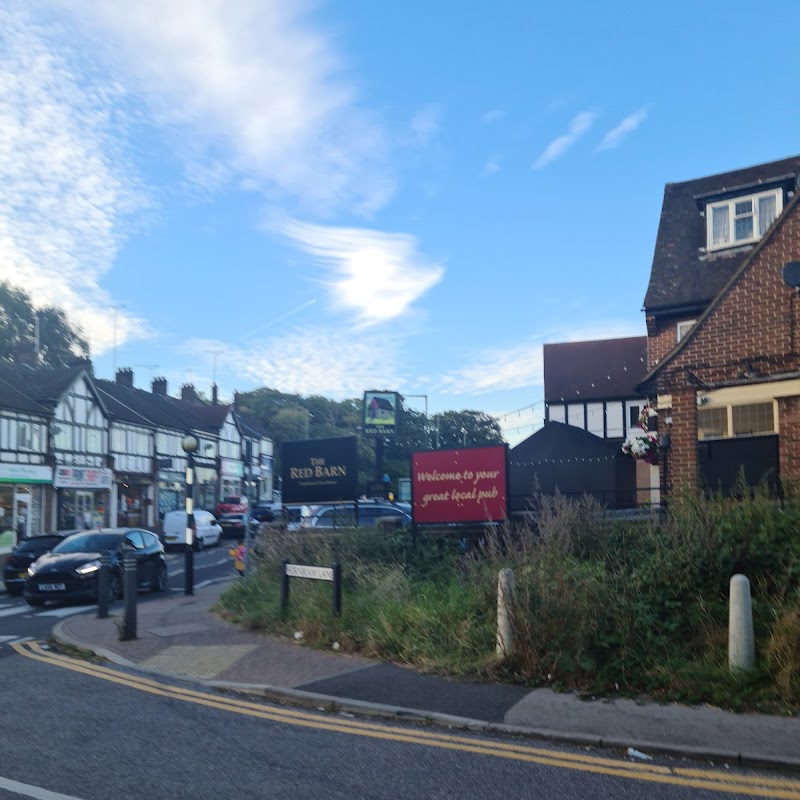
791, 274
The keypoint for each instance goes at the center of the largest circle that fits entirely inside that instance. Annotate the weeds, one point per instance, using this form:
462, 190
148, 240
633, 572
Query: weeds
600, 606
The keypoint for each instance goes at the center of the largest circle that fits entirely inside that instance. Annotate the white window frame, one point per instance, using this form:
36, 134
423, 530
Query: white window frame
730, 204
684, 326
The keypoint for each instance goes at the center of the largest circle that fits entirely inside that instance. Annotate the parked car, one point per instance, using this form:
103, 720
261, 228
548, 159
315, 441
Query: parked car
231, 524
265, 512
207, 531
233, 504
70, 570
15, 570
370, 515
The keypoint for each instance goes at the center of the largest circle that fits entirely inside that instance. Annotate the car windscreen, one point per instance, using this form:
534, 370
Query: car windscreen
89, 543
231, 501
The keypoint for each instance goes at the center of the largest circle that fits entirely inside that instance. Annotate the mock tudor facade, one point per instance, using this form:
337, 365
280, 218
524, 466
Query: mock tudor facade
77, 451
723, 329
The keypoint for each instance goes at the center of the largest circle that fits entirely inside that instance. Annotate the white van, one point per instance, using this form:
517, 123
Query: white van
207, 530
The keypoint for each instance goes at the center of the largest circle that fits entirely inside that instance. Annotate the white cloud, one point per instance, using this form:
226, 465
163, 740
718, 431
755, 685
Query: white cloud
324, 361
578, 127
426, 123
493, 115
66, 190
617, 134
377, 276
520, 366
491, 167
257, 87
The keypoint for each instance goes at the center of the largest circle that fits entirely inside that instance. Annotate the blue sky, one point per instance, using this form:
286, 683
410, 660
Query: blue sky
333, 197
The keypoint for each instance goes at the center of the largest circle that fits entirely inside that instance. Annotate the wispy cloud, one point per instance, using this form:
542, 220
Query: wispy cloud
377, 276
520, 366
616, 135
426, 123
259, 88
493, 115
299, 361
580, 125
491, 166
66, 188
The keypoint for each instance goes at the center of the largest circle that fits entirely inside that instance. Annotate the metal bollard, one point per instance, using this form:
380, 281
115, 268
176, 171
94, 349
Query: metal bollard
129, 583
284, 588
103, 581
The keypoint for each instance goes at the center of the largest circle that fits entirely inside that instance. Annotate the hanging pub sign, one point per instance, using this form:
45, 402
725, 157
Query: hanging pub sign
380, 412
465, 485
320, 470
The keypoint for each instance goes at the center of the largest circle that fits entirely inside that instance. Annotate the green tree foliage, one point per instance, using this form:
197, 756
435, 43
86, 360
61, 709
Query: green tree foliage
465, 429
59, 342
291, 417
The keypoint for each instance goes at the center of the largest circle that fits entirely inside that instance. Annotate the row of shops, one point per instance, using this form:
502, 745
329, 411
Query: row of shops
34, 499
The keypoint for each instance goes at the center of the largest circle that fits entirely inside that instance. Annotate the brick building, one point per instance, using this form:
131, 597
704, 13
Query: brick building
723, 324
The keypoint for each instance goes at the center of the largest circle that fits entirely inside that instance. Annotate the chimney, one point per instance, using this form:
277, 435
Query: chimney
160, 386
24, 353
125, 378
188, 394
236, 401
214, 395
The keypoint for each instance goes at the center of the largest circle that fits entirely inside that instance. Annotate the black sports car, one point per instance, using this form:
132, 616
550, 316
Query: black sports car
15, 570
69, 571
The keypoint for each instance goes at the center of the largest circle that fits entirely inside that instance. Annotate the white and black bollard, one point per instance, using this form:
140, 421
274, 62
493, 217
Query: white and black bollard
741, 642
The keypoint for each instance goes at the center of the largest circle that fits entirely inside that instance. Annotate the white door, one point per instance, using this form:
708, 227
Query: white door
22, 513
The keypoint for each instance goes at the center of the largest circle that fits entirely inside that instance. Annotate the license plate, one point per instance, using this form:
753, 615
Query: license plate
51, 587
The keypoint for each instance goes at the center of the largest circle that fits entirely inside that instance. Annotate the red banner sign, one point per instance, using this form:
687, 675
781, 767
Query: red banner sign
459, 485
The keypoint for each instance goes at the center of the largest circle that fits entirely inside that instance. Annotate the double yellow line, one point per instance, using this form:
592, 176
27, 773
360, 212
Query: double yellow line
712, 780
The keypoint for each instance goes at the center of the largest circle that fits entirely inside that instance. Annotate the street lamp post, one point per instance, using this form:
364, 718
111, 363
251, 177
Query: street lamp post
189, 444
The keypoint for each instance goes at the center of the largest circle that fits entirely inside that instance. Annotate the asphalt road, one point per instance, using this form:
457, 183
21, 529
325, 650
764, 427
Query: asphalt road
90, 731
18, 621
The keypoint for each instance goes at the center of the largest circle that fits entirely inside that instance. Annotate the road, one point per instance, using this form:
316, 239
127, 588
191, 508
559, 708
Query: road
20, 622
78, 730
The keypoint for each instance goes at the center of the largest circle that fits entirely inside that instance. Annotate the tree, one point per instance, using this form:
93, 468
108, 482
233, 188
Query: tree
59, 342
454, 429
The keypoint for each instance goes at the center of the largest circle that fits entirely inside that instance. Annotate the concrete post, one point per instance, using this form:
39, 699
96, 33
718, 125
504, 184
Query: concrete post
741, 644
505, 603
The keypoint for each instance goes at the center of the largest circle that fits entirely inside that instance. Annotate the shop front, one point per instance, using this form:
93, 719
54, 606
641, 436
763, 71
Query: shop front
171, 491
84, 495
133, 500
205, 490
231, 474
23, 493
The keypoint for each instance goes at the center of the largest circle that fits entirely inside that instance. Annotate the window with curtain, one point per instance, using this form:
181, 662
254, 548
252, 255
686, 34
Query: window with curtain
742, 219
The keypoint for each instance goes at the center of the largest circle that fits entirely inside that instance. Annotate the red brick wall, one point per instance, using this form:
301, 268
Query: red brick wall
754, 328
661, 338
789, 442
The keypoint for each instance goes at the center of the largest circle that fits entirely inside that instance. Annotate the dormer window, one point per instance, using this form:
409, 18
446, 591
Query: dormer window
742, 219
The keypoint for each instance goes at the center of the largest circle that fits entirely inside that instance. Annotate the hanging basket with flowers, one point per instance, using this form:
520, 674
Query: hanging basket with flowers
643, 444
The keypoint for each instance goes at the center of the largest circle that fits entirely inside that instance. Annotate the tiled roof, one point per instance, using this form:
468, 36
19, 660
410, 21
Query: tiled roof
251, 426
35, 390
606, 369
683, 275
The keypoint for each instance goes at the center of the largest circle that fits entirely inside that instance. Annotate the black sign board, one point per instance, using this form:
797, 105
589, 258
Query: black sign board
320, 470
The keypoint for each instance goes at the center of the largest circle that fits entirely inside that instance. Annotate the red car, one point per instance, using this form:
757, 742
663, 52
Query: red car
234, 504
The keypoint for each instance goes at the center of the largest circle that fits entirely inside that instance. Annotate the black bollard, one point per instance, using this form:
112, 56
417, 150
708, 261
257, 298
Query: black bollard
103, 581
129, 583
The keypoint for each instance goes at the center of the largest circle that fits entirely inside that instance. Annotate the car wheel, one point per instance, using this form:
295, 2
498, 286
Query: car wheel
159, 583
34, 601
198, 543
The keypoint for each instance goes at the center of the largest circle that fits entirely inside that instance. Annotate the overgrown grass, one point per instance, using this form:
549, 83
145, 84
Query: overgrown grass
600, 606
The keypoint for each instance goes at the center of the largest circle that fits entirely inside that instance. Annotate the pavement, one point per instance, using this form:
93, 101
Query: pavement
180, 636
